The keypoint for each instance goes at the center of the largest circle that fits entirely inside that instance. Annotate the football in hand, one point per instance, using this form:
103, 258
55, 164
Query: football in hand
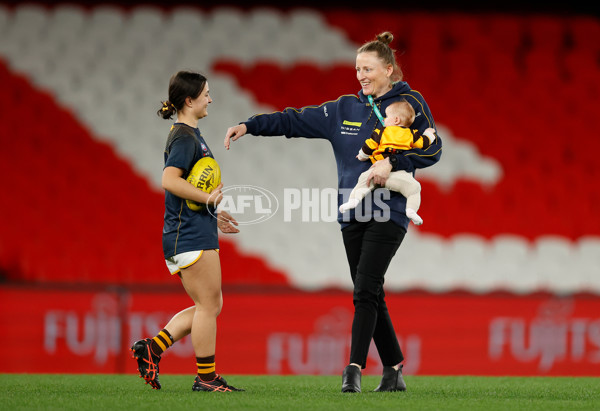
205, 175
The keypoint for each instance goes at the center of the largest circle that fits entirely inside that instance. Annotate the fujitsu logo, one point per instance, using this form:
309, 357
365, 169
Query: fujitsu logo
551, 337
99, 330
326, 350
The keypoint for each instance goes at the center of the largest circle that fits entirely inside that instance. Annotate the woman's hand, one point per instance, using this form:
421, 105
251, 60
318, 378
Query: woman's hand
233, 133
226, 222
380, 171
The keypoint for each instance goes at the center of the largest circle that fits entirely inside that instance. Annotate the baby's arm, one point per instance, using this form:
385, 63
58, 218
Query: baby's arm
370, 145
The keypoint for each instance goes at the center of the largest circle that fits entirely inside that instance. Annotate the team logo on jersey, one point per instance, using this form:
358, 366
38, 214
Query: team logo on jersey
204, 148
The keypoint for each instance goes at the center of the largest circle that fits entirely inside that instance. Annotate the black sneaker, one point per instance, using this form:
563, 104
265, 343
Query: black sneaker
218, 384
147, 362
351, 379
392, 380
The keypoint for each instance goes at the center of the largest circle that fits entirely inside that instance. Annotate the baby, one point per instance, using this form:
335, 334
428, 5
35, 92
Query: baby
395, 137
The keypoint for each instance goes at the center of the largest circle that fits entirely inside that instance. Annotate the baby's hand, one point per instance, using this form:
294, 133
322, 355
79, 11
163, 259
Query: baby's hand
362, 156
430, 134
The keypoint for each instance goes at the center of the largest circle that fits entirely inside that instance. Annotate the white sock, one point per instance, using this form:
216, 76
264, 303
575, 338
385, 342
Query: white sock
350, 204
412, 214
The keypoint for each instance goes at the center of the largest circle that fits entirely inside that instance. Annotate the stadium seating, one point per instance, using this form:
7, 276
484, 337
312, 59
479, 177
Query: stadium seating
508, 207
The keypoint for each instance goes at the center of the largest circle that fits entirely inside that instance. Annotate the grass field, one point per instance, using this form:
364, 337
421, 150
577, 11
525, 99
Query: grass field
118, 392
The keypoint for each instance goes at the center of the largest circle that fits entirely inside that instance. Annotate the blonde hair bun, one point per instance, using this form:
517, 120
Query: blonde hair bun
386, 37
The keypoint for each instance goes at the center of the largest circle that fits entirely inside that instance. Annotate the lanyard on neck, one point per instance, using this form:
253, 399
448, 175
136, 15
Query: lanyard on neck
375, 109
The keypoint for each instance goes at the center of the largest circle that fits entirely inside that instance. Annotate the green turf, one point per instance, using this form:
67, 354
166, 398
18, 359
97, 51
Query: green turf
108, 392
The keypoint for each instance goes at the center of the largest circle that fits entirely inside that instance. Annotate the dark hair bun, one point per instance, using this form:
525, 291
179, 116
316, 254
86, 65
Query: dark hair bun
167, 110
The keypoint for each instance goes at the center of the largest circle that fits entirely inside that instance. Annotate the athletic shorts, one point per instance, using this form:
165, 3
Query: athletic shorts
183, 260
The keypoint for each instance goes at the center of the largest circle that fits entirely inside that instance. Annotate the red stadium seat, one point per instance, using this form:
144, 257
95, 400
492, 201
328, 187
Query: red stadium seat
339, 79
232, 68
584, 33
543, 65
547, 32
296, 78
516, 86
506, 32
465, 32
269, 77
352, 23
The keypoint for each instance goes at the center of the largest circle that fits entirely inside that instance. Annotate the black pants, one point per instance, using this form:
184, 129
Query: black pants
370, 247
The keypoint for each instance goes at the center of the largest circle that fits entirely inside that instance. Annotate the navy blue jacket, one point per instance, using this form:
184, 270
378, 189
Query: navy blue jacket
347, 122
